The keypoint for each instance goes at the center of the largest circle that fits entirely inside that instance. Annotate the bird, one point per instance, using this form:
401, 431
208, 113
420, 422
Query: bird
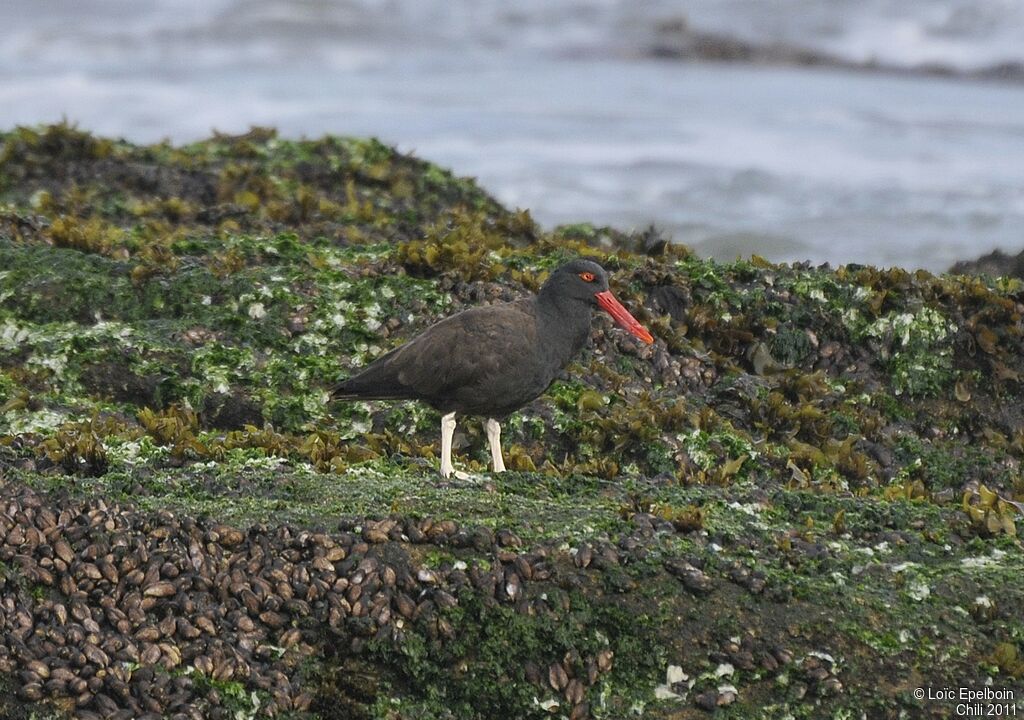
489, 361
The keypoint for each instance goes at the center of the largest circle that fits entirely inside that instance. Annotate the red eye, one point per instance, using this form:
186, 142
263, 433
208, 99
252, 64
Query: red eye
587, 276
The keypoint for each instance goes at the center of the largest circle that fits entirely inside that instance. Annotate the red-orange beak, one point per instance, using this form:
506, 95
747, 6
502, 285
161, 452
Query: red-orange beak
621, 315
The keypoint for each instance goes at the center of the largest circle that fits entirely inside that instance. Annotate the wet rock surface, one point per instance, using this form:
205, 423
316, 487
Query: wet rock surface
675, 39
994, 264
138, 614
803, 497
112, 612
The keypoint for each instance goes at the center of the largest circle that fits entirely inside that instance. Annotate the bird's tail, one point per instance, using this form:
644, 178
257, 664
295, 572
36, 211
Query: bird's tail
342, 391
352, 391
376, 381
367, 387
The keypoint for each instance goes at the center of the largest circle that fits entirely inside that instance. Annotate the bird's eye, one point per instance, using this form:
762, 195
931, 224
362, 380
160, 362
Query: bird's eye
587, 276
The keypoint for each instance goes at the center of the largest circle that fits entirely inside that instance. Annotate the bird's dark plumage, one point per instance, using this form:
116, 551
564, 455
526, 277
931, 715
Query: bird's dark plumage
489, 360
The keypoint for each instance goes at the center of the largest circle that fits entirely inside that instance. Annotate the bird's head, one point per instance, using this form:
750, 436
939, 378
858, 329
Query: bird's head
587, 282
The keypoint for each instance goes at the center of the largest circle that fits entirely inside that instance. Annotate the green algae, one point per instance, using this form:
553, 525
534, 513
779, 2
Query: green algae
498, 644
171, 317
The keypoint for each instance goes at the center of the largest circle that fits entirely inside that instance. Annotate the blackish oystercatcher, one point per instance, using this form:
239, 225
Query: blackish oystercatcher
492, 360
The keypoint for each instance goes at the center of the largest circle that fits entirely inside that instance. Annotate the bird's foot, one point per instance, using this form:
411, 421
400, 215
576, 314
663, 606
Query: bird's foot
460, 479
449, 473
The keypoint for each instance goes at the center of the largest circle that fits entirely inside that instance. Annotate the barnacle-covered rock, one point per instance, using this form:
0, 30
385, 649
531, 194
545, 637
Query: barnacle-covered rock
764, 501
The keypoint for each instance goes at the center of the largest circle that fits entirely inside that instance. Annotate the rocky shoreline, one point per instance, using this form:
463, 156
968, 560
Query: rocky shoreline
677, 40
994, 264
802, 501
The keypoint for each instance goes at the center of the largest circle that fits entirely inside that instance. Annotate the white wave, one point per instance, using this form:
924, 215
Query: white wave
966, 34
785, 162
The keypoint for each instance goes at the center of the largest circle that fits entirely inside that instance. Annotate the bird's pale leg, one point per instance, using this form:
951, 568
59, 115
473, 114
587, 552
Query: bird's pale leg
447, 430
494, 440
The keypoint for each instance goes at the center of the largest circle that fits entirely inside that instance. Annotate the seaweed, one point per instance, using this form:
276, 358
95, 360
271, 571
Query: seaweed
807, 472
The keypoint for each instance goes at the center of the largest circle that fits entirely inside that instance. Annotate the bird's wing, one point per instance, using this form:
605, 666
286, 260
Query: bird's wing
463, 351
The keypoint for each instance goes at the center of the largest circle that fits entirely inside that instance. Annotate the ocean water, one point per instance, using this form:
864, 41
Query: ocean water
561, 108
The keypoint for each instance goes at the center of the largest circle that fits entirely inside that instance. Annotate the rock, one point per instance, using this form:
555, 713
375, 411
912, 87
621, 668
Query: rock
995, 264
